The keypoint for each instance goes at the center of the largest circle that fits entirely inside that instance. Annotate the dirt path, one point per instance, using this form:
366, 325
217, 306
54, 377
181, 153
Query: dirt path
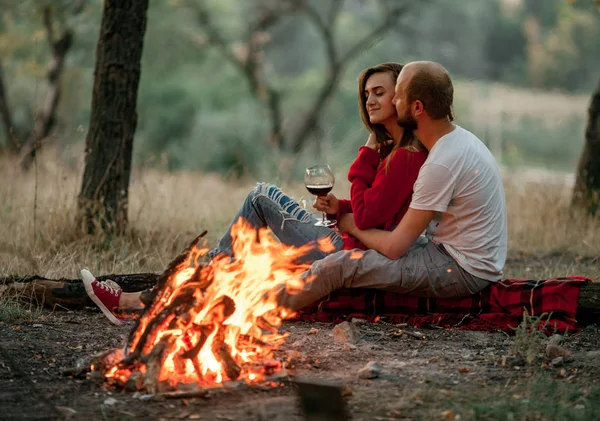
420, 379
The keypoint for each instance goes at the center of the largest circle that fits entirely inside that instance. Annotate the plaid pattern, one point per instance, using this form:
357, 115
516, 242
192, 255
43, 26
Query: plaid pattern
499, 307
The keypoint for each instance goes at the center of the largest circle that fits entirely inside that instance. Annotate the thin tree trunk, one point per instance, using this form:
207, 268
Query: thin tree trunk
5, 114
586, 194
109, 143
45, 120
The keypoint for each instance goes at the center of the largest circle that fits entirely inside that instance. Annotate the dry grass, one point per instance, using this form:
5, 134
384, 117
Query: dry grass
38, 234
493, 99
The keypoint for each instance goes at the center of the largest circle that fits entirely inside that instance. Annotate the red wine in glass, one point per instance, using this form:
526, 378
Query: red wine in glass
319, 180
319, 190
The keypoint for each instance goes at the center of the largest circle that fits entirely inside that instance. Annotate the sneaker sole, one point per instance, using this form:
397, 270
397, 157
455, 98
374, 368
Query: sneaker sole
87, 279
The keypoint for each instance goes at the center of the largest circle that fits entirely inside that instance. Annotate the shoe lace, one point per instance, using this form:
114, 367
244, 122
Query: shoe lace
110, 289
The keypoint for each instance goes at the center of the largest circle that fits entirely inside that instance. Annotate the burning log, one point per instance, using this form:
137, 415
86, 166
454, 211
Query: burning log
222, 352
164, 317
154, 362
204, 325
180, 262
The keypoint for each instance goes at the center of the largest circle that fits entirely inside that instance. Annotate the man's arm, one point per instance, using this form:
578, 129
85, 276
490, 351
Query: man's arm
392, 244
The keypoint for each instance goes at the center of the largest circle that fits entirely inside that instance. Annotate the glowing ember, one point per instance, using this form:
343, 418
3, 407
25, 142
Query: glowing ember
210, 323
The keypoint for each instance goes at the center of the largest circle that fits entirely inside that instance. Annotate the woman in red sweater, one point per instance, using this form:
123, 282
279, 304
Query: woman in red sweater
386, 168
382, 178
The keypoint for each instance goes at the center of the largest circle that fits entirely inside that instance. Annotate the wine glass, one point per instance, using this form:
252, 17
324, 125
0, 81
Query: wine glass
319, 181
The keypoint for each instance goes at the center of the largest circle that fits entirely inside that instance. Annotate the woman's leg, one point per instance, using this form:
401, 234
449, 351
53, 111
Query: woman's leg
267, 206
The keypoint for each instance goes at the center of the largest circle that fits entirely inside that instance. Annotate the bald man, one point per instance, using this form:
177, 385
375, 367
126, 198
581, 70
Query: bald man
458, 199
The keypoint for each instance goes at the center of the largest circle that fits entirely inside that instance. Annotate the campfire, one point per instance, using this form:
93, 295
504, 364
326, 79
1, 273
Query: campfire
204, 324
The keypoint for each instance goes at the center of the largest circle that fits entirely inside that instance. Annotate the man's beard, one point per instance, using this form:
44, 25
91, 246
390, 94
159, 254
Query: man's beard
407, 121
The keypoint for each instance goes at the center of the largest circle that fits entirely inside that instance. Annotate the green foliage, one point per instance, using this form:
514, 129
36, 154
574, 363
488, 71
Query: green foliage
196, 106
532, 142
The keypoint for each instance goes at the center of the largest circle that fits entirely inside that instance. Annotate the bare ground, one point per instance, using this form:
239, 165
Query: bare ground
449, 375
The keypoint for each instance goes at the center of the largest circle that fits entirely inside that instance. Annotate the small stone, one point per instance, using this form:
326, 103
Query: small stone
555, 351
346, 333
110, 401
300, 343
371, 371
557, 361
358, 322
555, 339
313, 331
349, 347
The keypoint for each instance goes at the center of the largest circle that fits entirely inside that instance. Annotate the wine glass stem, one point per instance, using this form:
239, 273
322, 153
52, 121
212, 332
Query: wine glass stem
324, 217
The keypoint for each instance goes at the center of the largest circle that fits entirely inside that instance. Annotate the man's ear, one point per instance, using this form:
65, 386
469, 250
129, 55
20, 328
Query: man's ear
418, 108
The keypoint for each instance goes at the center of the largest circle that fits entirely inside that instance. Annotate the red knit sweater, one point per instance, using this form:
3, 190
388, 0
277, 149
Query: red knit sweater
380, 197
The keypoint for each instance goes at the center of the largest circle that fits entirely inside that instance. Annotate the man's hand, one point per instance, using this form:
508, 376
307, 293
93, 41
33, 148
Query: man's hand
328, 204
346, 223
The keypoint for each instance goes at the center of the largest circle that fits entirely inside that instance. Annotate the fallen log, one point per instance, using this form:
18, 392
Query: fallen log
588, 304
70, 293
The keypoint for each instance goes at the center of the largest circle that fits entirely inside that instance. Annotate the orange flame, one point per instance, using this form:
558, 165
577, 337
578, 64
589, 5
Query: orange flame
234, 318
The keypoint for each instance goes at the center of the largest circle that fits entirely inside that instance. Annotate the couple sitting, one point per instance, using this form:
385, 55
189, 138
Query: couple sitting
417, 172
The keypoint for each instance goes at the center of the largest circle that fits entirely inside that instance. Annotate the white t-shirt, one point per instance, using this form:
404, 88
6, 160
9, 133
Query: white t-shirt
461, 182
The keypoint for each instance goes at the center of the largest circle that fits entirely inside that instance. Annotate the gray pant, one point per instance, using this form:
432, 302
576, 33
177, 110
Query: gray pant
427, 270
267, 206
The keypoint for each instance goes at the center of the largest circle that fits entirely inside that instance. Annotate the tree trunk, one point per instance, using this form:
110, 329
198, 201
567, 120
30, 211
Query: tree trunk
586, 194
5, 114
47, 118
109, 143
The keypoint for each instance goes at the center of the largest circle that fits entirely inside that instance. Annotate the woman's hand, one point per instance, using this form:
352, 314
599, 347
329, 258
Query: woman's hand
328, 204
372, 142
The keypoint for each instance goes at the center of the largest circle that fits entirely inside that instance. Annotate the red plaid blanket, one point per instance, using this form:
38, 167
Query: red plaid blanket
499, 307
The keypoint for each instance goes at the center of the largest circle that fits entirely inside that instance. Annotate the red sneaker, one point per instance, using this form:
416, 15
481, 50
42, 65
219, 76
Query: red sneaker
105, 294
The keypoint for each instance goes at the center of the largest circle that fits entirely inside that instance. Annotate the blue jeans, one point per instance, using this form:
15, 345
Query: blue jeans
267, 206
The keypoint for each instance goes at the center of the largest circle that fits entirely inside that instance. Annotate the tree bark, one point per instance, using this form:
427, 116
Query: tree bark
586, 194
6, 116
109, 142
